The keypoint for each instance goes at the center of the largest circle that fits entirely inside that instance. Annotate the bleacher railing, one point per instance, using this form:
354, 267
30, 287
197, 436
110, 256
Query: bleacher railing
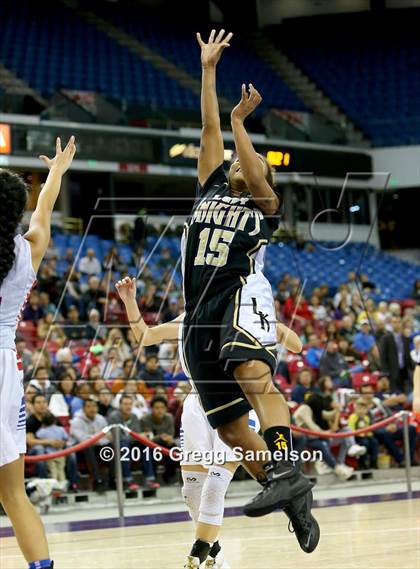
116, 430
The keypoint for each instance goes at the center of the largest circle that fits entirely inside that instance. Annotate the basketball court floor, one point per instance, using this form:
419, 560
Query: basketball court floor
378, 531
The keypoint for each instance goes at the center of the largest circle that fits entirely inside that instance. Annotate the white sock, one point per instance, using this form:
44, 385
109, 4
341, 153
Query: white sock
191, 491
213, 495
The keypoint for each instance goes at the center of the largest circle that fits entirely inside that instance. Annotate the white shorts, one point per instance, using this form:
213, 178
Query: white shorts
12, 408
200, 443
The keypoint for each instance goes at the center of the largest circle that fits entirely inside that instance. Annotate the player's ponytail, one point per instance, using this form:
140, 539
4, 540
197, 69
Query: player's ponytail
13, 195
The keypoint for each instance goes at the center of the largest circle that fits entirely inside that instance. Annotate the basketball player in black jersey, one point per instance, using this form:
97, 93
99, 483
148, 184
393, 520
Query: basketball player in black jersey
229, 327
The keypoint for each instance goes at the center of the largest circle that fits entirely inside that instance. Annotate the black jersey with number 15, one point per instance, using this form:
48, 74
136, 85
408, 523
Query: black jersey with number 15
224, 241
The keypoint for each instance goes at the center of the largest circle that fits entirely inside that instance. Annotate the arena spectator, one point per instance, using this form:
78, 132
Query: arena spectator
129, 369
83, 393
395, 400
165, 260
303, 388
33, 310
110, 368
150, 301
347, 329
71, 284
94, 328
64, 361
173, 310
93, 373
359, 420
36, 446
140, 407
112, 261
364, 340
105, 399
342, 294
48, 279
282, 292
175, 406
350, 355
416, 350
86, 423
124, 415
158, 426
395, 310
90, 264
69, 257
314, 354
48, 329
73, 327
374, 359
166, 357
60, 402
115, 339
356, 305
23, 352
93, 297
152, 374
297, 307
312, 415
96, 387
394, 350
389, 435
369, 313
334, 365
319, 311
383, 313
30, 392
50, 430
352, 282
342, 310
41, 380
331, 333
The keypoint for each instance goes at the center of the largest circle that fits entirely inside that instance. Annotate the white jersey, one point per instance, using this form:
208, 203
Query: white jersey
14, 292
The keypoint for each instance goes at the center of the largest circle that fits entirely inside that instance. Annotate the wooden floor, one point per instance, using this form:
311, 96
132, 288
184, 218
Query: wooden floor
375, 536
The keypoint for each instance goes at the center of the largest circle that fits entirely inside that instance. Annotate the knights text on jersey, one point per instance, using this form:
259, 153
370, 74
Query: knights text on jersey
224, 241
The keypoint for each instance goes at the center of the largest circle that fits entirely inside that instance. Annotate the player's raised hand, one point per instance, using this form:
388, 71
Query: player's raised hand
126, 288
212, 50
63, 158
247, 104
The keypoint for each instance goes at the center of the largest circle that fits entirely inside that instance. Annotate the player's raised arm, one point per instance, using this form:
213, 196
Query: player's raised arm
211, 147
251, 164
39, 231
144, 334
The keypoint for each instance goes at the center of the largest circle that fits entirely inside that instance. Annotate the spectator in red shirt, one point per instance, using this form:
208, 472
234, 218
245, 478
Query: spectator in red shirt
297, 308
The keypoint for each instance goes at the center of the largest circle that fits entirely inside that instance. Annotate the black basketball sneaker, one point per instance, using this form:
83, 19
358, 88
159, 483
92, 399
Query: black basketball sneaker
285, 483
304, 525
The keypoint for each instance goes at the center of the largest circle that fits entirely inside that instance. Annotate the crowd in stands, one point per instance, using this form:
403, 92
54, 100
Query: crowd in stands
84, 370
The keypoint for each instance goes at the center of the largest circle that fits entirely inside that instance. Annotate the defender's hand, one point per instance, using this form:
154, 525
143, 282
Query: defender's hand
212, 50
126, 288
247, 104
63, 158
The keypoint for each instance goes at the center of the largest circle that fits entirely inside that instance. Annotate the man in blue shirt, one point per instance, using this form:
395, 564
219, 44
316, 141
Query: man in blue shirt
314, 354
364, 340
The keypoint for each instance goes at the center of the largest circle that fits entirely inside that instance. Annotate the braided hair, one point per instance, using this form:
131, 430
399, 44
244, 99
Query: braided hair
13, 196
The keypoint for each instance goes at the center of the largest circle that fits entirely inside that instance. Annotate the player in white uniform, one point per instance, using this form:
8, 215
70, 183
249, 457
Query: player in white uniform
207, 464
19, 262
